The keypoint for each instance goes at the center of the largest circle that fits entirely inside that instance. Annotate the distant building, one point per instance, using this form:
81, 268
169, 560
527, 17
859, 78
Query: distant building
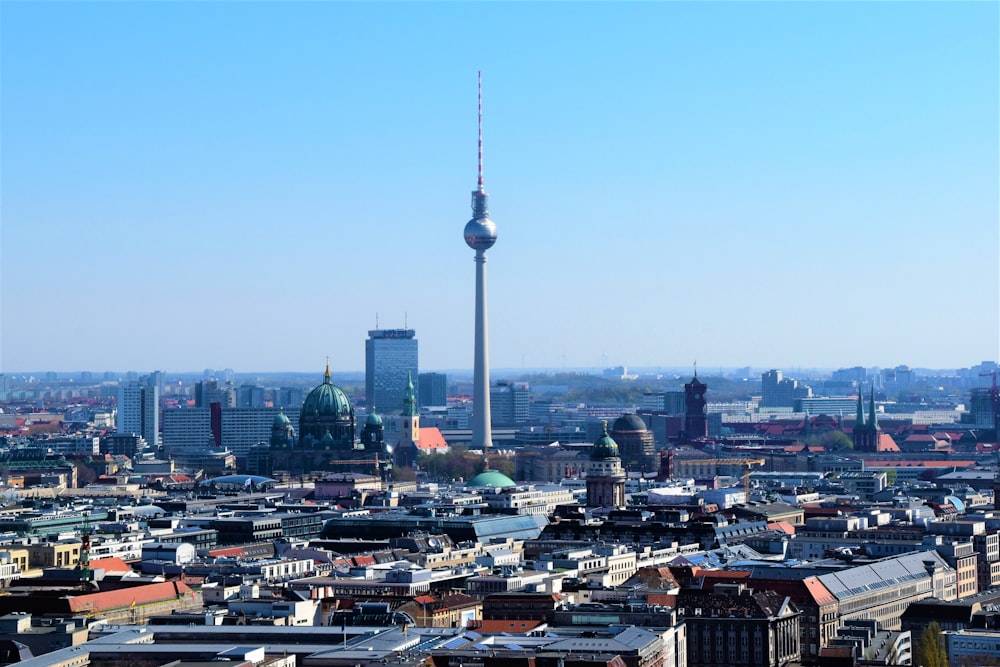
287, 397
510, 403
984, 406
432, 389
670, 402
139, 410
249, 396
207, 392
389, 355
241, 428
635, 443
781, 392
695, 415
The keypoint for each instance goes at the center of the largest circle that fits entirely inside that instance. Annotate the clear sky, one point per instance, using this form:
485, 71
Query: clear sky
219, 184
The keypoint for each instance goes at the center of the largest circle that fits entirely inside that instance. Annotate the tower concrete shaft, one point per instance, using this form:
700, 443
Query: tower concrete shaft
482, 431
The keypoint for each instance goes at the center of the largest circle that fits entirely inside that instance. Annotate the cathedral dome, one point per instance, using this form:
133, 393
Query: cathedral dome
327, 411
326, 400
629, 422
605, 447
373, 420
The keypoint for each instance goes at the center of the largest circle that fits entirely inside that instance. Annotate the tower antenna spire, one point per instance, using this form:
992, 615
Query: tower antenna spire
480, 181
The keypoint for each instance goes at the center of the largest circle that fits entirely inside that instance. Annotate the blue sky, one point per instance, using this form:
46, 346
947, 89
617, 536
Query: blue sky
192, 185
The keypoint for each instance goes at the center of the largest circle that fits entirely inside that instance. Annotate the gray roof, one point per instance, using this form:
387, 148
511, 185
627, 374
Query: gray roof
881, 574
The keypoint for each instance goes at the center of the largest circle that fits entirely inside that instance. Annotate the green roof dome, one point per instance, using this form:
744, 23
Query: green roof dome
326, 400
491, 478
373, 420
605, 447
281, 419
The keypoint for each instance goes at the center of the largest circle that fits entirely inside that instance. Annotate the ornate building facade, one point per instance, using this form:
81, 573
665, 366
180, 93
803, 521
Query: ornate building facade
326, 439
635, 443
605, 475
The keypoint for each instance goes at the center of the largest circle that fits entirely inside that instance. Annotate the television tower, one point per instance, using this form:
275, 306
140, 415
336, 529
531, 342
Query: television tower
480, 235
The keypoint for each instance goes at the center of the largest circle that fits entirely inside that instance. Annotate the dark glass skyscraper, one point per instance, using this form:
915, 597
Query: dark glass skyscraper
432, 389
390, 354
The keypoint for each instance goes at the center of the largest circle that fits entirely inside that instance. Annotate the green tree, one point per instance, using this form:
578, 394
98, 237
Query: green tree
929, 651
831, 441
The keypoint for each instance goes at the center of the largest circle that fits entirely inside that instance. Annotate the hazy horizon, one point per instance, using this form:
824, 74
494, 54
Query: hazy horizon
243, 185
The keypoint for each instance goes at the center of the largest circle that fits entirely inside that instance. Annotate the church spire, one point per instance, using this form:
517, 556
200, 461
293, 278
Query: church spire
326, 375
859, 418
409, 398
872, 415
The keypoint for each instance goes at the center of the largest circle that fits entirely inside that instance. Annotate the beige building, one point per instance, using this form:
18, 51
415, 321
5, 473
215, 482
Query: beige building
64, 553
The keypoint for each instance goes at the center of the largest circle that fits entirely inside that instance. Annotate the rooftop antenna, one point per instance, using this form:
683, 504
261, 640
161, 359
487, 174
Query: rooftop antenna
376, 320
480, 182
406, 320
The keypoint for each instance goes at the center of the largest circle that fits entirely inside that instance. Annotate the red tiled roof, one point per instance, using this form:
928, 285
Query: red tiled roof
783, 526
228, 551
431, 439
885, 443
820, 593
666, 599
129, 597
364, 560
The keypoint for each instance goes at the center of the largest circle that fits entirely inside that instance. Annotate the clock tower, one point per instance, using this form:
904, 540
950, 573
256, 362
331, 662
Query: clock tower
695, 418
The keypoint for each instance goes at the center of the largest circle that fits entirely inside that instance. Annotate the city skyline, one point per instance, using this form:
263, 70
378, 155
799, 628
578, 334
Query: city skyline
805, 185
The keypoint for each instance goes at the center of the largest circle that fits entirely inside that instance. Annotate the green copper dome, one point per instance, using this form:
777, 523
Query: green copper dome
281, 419
491, 478
373, 419
605, 447
326, 400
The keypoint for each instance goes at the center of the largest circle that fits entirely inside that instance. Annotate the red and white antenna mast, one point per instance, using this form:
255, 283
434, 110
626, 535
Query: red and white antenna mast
480, 183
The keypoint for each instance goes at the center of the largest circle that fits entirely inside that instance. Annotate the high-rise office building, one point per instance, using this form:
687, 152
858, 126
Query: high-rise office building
239, 428
432, 389
139, 410
390, 358
781, 392
510, 403
287, 397
249, 396
207, 392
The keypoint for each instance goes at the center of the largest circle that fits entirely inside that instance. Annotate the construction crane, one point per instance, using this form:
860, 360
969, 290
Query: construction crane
746, 463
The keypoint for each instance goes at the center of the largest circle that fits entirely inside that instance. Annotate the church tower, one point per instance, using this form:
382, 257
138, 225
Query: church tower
866, 435
409, 421
605, 475
373, 434
695, 417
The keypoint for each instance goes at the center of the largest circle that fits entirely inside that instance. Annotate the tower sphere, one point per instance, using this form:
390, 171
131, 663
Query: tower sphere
480, 233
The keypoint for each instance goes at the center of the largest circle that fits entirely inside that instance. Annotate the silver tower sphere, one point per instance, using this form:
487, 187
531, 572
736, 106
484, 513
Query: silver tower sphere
480, 232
